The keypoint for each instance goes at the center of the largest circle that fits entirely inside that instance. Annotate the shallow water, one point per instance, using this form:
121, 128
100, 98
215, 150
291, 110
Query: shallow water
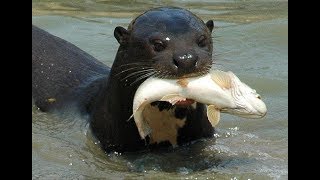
250, 39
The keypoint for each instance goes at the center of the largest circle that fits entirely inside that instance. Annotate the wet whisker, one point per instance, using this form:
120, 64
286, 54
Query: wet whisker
143, 63
133, 68
142, 77
137, 73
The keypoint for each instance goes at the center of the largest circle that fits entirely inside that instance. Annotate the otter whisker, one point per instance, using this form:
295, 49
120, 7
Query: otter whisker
136, 63
133, 68
156, 74
137, 73
219, 66
164, 74
223, 53
142, 77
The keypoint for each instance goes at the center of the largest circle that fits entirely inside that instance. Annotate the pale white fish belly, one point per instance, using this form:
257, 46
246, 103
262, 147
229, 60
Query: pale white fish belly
202, 90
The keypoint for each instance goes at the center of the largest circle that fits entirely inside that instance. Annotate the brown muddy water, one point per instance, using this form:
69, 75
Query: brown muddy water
250, 38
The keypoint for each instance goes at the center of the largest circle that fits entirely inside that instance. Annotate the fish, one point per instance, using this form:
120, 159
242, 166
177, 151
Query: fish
221, 91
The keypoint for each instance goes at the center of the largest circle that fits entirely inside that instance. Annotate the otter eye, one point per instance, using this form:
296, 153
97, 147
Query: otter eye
202, 41
158, 45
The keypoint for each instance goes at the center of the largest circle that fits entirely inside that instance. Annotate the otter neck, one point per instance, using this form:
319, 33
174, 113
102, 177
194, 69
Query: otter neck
112, 110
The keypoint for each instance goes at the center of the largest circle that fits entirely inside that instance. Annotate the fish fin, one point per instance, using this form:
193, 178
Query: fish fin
140, 107
223, 79
130, 117
213, 115
143, 127
145, 130
173, 98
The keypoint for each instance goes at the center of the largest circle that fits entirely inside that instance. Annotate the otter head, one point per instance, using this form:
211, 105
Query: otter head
165, 42
168, 43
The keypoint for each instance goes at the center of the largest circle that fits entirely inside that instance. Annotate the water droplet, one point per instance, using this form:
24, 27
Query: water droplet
69, 71
70, 164
216, 135
51, 64
228, 134
235, 128
41, 64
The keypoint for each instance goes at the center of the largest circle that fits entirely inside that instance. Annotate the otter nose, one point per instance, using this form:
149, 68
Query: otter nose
185, 62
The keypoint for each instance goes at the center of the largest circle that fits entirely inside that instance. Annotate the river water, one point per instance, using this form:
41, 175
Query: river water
250, 38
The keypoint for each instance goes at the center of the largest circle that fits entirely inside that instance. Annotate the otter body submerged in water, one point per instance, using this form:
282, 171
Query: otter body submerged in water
167, 43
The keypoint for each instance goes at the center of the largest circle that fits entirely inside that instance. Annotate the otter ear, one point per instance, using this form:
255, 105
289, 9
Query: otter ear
210, 25
121, 34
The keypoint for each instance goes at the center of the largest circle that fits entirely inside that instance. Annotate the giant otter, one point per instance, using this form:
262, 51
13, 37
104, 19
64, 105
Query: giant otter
166, 42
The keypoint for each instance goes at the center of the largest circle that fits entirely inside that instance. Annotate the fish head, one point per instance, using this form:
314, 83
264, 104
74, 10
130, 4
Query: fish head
248, 102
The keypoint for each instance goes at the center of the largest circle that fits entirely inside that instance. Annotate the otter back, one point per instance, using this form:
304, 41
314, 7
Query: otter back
60, 70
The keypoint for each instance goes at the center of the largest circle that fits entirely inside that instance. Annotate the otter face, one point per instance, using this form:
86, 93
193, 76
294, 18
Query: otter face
168, 43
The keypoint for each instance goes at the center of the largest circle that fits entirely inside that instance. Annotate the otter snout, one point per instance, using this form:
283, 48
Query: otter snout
185, 62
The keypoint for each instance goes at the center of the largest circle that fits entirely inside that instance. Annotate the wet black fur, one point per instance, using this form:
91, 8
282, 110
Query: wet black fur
64, 75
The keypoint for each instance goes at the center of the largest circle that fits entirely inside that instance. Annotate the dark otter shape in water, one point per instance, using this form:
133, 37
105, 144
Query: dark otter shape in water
165, 42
